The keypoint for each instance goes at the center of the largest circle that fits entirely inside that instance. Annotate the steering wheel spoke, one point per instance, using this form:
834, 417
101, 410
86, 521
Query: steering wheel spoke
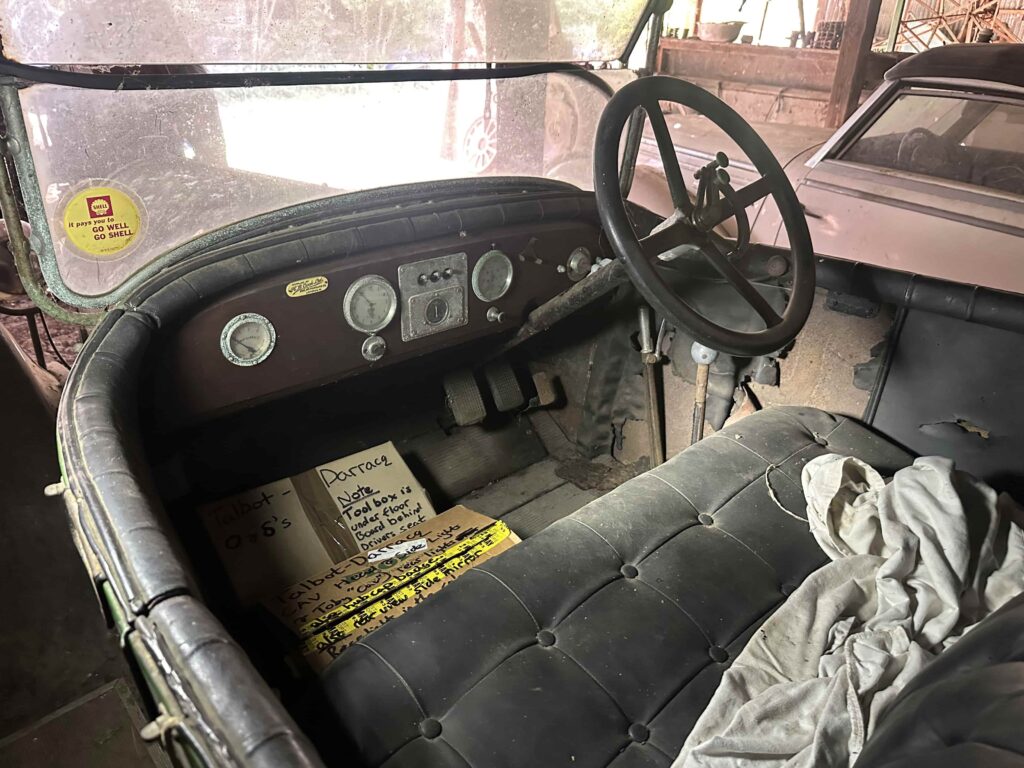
676, 230
667, 150
744, 287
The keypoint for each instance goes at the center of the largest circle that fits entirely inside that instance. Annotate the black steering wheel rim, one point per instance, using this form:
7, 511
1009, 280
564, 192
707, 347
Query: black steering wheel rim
647, 93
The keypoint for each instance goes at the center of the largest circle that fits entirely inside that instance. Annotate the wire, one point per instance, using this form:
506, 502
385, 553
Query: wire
53, 346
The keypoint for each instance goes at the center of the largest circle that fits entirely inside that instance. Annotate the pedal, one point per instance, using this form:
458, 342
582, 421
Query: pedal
547, 389
504, 386
462, 394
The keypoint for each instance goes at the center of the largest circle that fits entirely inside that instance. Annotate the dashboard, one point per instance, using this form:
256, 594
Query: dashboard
311, 325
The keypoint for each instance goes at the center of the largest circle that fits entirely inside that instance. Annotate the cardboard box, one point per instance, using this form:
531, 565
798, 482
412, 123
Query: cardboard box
265, 540
332, 610
278, 533
361, 502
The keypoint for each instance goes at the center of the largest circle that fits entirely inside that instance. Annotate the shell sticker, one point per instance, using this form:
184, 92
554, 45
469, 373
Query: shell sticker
306, 286
102, 221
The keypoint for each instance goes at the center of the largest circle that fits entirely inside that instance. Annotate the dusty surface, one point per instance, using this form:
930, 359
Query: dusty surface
66, 337
818, 371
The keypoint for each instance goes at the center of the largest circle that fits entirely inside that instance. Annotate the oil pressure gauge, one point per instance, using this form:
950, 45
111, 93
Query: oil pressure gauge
247, 339
492, 276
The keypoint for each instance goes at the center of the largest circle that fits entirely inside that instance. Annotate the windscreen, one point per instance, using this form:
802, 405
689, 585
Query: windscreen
92, 32
126, 176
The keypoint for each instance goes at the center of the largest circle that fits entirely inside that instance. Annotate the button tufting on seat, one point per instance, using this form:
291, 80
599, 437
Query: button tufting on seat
629, 571
697, 598
639, 732
718, 653
430, 728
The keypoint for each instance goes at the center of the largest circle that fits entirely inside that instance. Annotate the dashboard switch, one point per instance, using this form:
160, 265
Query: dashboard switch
435, 276
495, 315
374, 348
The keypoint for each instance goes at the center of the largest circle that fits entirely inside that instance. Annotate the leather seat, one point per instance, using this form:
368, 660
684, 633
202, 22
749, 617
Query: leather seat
600, 640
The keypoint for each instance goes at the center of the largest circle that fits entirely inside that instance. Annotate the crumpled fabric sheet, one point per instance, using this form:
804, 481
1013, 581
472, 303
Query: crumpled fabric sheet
915, 564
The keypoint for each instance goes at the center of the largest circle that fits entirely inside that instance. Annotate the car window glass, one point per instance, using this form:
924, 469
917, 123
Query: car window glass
245, 32
964, 139
182, 163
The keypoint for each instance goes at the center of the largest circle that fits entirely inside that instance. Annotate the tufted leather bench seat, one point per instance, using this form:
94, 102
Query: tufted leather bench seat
600, 640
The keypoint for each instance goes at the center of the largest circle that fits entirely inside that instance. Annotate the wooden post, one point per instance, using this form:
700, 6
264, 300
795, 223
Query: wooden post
861, 20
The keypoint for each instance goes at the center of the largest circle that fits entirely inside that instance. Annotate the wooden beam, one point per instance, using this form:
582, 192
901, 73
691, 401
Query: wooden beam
861, 20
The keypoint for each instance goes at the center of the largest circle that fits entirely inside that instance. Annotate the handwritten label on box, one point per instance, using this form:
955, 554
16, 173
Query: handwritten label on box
376, 496
264, 539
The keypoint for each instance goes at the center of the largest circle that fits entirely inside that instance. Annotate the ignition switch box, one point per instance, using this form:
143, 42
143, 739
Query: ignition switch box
434, 297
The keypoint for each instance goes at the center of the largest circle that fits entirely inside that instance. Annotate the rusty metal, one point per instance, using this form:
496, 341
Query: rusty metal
700, 399
651, 356
21, 251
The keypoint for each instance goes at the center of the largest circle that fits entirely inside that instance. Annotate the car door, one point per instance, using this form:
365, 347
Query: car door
929, 181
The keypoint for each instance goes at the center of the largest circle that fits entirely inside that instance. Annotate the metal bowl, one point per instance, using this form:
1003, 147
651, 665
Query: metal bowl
719, 31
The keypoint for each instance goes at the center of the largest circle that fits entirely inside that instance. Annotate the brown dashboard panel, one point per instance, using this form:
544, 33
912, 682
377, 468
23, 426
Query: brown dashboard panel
314, 342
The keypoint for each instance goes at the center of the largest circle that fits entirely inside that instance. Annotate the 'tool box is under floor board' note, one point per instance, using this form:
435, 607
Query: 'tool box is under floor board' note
363, 501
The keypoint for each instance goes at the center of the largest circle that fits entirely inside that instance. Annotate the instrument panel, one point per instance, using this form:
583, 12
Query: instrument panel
312, 325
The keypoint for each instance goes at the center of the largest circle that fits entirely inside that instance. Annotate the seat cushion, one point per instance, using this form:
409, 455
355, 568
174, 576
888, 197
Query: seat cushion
600, 640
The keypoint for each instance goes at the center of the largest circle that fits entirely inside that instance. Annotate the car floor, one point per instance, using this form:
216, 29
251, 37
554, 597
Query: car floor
63, 680
532, 499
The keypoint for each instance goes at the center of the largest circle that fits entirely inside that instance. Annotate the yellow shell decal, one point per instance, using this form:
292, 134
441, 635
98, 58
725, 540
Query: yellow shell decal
102, 221
306, 286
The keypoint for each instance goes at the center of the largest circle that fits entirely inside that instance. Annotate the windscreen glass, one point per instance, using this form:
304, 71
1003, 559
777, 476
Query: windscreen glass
91, 32
126, 176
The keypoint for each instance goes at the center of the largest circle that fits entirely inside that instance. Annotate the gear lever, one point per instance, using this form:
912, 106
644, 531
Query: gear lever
703, 357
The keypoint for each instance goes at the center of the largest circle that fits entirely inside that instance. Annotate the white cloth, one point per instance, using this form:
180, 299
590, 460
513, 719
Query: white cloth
914, 564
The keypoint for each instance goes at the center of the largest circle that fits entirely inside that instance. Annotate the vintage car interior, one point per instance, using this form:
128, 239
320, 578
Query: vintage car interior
535, 351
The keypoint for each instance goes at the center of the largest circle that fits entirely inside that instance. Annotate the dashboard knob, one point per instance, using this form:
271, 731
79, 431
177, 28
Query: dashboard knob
495, 315
374, 348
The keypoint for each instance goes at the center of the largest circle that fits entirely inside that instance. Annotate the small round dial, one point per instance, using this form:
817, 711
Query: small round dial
370, 303
492, 276
579, 264
247, 339
436, 311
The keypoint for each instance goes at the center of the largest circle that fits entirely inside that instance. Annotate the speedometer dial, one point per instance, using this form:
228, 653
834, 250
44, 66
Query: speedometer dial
370, 303
247, 339
492, 276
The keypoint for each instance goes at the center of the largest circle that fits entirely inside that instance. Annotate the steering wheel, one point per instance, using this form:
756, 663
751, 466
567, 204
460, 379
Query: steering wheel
921, 151
691, 223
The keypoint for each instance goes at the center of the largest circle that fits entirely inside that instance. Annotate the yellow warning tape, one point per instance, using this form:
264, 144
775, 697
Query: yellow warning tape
494, 533
347, 627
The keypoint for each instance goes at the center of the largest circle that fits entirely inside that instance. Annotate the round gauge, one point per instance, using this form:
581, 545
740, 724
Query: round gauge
492, 276
437, 311
370, 303
247, 339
